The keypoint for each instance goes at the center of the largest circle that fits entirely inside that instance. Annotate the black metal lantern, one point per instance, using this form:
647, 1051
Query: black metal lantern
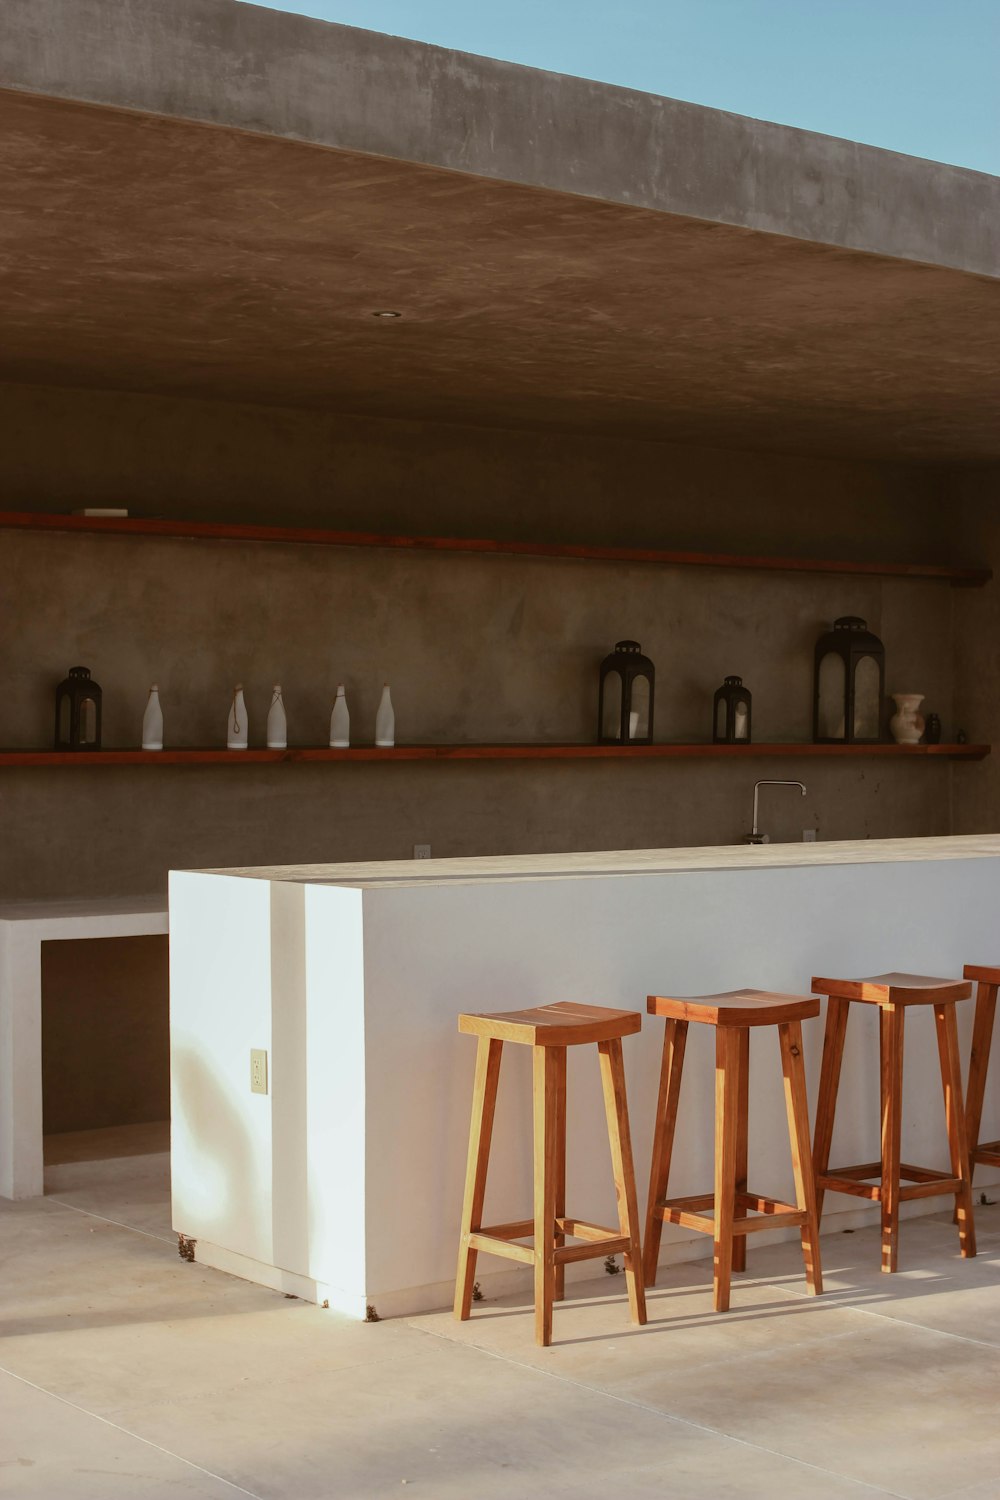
78, 712
849, 686
731, 725
625, 704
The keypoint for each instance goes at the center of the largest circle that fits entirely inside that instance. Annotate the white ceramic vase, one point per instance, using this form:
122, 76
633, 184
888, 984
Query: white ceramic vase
152, 721
907, 725
277, 722
385, 721
340, 721
237, 737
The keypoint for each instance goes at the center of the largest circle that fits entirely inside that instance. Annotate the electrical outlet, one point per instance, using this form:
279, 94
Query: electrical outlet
809, 835
421, 851
258, 1070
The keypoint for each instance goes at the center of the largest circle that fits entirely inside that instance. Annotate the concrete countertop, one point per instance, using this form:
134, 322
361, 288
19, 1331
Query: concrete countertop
519, 867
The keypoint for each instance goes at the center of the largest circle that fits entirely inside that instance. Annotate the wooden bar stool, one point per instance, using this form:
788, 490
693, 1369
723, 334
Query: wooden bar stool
732, 1015
987, 983
892, 993
548, 1030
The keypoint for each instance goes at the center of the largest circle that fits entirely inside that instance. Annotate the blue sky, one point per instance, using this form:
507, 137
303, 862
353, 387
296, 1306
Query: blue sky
919, 76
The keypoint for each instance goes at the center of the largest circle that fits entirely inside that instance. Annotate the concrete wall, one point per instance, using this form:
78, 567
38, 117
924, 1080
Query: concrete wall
253, 68
475, 648
104, 1004
976, 505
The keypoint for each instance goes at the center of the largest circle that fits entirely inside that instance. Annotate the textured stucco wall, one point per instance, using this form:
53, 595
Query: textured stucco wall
216, 460
475, 648
252, 68
975, 504
103, 1000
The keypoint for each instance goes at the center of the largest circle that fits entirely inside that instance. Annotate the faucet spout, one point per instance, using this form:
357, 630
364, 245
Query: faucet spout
755, 837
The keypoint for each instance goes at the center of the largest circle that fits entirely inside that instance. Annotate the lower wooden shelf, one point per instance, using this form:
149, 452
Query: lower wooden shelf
299, 755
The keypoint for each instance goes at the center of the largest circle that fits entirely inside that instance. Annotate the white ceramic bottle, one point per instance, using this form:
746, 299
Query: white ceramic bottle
385, 721
152, 721
277, 722
340, 721
237, 737
907, 723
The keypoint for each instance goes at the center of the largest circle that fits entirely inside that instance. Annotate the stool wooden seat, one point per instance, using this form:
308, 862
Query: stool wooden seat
726, 1213
987, 981
892, 993
549, 1030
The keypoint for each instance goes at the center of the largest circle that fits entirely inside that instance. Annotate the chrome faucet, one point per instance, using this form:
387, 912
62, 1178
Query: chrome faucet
762, 838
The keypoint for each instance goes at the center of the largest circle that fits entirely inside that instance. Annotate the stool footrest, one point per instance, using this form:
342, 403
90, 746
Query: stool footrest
924, 1174
494, 1245
515, 1231
934, 1189
860, 1172
924, 1182
771, 1213
846, 1182
501, 1239
617, 1245
988, 1153
753, 1203
580, 1229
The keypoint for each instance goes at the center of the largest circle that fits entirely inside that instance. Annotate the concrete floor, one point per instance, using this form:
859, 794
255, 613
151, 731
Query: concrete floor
125, 1372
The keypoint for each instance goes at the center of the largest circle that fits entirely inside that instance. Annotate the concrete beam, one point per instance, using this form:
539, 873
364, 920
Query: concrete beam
247, 68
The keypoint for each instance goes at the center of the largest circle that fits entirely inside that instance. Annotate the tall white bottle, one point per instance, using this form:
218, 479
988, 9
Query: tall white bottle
152, 721
340, 721
237, 737
385, 721
277, 722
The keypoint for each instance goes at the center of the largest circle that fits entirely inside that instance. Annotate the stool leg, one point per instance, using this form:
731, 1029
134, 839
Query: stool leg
982, 1037
829, 1082
727, 1093
742, 1141
616, 1108
671, 1066
545, 1069
891, 1039
954, 1112
797, 1107
560, 1168
484, 1098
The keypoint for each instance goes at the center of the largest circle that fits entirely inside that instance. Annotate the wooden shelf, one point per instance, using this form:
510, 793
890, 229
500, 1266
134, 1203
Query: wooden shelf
960, 577
12, 759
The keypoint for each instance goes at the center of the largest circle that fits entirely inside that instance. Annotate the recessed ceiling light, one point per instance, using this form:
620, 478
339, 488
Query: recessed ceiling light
385, 313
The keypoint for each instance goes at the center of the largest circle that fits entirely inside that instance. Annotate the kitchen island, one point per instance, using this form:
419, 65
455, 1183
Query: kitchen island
343, 1181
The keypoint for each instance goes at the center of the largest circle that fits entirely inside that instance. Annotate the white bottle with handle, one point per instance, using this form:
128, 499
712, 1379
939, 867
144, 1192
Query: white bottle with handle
385, 721
340, 721
152, 721
237, 735
277, 722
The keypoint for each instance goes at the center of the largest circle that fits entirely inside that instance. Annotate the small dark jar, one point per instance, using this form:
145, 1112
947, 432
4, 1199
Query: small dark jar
625, 701
78, 712
731, 724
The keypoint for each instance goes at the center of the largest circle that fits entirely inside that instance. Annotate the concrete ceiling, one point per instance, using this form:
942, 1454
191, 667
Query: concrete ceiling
157, 255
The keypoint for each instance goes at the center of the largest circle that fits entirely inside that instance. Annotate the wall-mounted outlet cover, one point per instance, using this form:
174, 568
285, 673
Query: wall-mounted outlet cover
809, 835
258, 1070
421, 851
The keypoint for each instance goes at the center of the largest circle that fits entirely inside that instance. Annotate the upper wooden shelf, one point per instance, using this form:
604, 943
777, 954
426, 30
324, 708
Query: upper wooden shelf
17, 758
219, 532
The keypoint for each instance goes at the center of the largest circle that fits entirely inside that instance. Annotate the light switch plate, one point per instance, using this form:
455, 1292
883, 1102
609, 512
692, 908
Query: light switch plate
258, 1070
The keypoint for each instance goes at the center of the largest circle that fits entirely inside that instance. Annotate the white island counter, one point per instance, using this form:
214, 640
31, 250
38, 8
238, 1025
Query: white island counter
344, 1181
